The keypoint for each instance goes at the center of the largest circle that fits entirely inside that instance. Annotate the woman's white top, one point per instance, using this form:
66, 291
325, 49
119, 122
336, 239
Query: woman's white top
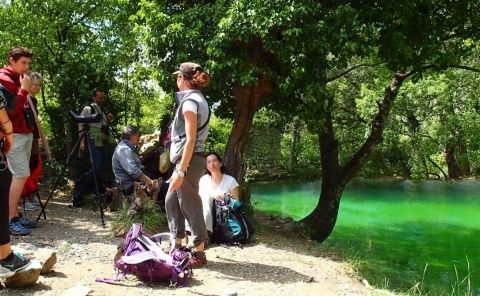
207, 191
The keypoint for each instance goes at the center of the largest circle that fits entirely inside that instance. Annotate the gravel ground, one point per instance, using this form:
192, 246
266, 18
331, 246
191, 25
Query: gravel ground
275, 263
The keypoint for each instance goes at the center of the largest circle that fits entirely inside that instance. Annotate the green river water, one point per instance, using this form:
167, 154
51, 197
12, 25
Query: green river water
394, 228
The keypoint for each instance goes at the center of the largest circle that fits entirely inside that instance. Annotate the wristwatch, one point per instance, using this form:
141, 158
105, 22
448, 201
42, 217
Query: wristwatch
181, 173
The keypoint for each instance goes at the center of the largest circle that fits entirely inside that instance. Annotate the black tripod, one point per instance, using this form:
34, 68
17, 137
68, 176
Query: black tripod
83, 135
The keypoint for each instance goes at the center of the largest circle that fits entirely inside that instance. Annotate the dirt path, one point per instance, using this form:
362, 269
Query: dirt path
272, 265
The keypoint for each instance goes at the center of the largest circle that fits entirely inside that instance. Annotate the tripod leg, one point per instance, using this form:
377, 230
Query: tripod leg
60, 176
37, 194
97, 193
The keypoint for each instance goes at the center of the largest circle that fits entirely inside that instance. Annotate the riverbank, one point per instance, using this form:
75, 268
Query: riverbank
275, 263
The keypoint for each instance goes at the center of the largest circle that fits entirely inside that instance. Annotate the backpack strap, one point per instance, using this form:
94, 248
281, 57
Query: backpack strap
154, 249
158, 238
134, 232
204, 125
92, 109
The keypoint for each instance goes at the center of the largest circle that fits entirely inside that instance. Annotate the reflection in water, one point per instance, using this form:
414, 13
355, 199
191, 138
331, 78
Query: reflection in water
395, 227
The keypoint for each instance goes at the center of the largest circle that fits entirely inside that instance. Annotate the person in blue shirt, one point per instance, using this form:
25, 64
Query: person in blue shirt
126, 163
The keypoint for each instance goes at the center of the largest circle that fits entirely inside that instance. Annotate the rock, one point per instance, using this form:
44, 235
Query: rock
47, 258
26, 277
366, 283
78, 290
290, 227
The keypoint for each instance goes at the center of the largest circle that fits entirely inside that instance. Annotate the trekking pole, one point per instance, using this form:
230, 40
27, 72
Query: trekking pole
40, 130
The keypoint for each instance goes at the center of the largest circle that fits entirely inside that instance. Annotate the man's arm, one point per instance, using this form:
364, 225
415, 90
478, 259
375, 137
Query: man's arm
134, 169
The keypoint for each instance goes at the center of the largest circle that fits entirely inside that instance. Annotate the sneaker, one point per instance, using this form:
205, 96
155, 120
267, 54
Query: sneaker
198, 259
11, 267
29, 206
27, 223
16, 228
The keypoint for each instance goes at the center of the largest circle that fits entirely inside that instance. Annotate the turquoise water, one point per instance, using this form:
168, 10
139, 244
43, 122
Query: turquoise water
395, 228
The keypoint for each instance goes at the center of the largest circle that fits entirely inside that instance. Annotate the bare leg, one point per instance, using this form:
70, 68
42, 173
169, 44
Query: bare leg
200, 247
16, 189
5, 250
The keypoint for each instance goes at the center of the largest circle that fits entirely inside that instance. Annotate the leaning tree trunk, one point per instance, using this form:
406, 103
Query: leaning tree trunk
247, 99
320, 223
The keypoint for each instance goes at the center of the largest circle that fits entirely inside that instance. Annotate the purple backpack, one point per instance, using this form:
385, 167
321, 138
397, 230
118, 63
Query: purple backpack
144, 257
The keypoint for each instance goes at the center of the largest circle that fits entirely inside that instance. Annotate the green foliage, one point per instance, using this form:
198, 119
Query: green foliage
69, 40
218, 132
151, 217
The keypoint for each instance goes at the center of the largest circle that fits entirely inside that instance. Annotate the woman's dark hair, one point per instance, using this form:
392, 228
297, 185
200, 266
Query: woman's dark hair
200, 79
18, 52
219, 158
129, 131
193, 73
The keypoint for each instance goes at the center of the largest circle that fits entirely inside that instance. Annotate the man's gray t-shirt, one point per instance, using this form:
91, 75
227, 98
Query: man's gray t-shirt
188, 100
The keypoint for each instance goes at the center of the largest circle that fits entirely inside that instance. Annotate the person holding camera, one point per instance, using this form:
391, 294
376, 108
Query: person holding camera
98, 141
14, 79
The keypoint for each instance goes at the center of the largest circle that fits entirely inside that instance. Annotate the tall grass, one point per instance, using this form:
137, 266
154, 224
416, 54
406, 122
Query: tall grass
151, 217
461, 286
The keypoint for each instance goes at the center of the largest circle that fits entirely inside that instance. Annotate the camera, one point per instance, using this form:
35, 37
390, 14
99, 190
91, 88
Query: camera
94, 118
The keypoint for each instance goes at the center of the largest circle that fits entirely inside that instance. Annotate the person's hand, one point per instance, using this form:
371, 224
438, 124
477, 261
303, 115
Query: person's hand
153, 184
8, 142
6, 132
109, 117
34, 147
25, 82
175, 182
218, 197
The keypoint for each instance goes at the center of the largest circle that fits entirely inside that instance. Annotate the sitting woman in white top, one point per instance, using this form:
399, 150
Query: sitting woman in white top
213, 185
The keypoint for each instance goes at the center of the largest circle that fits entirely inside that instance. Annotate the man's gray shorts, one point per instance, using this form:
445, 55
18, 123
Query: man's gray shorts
19, 157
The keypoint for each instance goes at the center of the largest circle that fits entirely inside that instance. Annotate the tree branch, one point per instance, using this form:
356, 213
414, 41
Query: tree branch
377, 125
438, 167
468, 68
51, 51
335, 77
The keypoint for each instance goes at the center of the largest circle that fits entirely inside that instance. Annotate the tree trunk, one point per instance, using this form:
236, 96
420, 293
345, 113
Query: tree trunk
292, 157
321, 222
247, 99
453, 168
463, 161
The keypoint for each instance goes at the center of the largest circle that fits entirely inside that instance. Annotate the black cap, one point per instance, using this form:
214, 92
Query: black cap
188, 69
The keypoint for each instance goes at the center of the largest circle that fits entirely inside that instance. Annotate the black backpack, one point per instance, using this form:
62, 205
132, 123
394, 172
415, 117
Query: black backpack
230, 225
10, 98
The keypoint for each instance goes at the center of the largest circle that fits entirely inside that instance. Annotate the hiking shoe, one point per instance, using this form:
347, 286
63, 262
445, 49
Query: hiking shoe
29, 206
16, 228
11, 267
27, 223
198, 259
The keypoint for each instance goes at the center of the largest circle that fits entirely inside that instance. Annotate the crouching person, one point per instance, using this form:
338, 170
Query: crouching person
126, 164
